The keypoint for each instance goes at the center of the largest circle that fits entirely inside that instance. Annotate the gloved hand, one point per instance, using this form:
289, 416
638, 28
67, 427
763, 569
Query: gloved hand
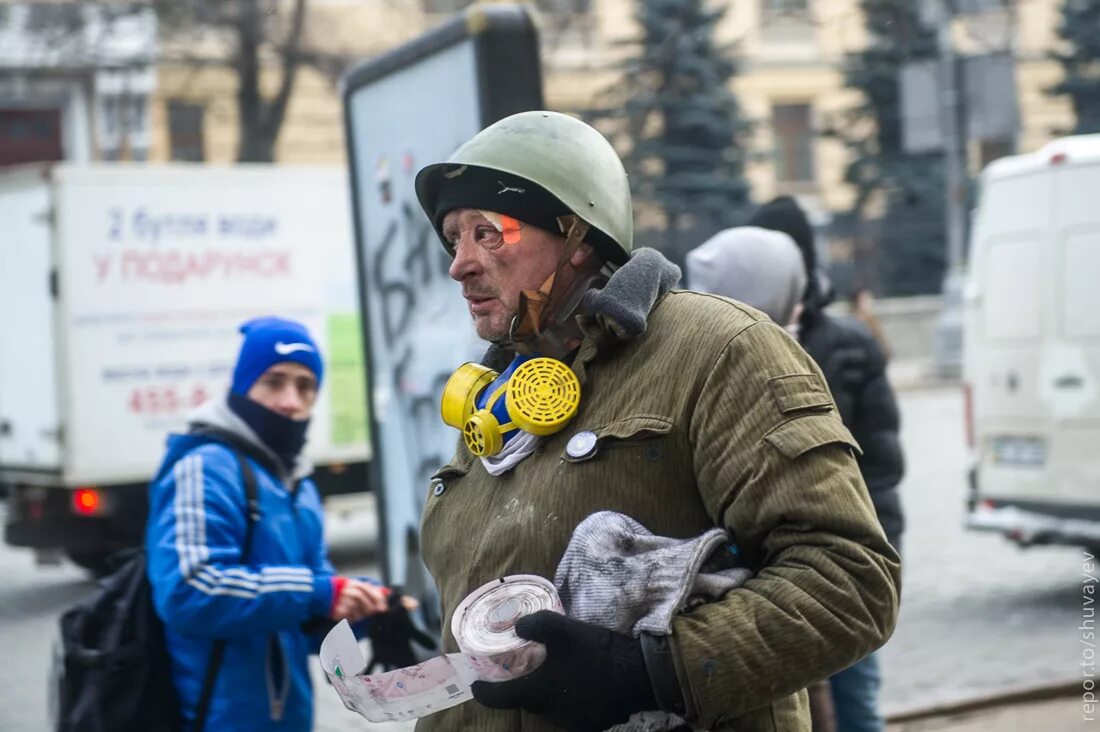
592, 678
391, 636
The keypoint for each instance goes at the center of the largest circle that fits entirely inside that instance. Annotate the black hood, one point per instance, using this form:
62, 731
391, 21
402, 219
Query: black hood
783, 214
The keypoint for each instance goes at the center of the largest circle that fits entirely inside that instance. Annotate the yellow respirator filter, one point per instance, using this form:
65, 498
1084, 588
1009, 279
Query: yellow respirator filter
543, 395
461, 392
540, 397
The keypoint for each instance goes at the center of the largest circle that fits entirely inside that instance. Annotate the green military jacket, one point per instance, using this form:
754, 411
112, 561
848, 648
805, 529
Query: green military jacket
715, 416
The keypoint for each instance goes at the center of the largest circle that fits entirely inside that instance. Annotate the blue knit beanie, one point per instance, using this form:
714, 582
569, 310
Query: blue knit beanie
271, 340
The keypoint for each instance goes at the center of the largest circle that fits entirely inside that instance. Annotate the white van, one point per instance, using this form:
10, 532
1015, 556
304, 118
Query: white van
1031, 360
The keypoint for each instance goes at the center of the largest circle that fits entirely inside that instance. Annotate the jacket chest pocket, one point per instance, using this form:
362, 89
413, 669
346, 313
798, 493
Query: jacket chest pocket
625, 456
642, 438
637, 465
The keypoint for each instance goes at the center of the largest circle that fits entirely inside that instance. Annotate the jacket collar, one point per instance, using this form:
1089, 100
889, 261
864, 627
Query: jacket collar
615, 314
620, 310
216, 419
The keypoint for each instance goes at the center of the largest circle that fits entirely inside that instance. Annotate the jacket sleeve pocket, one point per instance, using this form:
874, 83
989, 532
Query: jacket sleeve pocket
798, 436
794, 393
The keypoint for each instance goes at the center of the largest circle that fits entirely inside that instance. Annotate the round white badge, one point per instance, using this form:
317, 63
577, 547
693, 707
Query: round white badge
581, 444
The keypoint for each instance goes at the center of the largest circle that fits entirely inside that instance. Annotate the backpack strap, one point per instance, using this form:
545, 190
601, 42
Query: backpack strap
217, 655
235, 442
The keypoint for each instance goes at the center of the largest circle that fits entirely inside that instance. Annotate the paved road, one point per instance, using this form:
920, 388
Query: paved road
979, 616
1052, 715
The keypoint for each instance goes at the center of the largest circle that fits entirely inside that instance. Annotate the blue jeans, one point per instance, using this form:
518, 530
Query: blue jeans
855, 697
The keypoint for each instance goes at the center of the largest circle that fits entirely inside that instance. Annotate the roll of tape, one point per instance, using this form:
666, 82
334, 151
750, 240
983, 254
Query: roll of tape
484, 625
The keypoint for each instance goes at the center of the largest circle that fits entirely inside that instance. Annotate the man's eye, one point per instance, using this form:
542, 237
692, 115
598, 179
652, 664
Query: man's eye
488, 237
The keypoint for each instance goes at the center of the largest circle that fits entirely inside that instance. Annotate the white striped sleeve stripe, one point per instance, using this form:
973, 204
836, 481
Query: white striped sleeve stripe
232, 592
194, 554
206, 576
287, 571
238, 578
235, 592
212, 577
201, 583
190, 512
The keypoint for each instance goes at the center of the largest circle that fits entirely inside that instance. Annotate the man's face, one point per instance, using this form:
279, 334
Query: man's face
493, 273
288, 388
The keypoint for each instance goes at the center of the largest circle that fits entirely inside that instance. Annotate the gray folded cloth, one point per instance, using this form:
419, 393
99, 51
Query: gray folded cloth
617, 574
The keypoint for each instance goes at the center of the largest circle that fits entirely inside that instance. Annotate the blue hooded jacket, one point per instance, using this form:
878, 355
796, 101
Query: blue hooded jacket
205, 590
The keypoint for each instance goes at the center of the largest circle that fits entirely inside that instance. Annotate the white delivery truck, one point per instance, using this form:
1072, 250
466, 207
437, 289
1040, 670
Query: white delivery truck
121, 292
1032, 347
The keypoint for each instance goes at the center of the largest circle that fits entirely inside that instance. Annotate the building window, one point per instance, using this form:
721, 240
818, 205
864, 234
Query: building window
123, 132
794, 142
786, 22
773, 9
561, 7
566, 23
990, 150
58, 18
185, 122
444, 6
30, 136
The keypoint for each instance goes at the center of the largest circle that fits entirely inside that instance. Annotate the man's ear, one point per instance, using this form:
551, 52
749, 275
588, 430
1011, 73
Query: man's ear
582, 256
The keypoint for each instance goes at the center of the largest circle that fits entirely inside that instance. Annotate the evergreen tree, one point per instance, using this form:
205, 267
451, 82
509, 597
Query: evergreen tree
1080, 59
910, 238
677, 123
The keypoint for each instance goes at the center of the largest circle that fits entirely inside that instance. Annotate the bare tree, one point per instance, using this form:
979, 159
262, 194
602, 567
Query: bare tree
247, 36
254, 39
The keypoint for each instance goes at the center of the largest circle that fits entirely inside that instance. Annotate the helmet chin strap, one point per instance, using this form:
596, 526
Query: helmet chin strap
543, 324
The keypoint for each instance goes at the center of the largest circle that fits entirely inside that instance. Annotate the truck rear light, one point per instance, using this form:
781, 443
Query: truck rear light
968, 414
86, 501
1058, 158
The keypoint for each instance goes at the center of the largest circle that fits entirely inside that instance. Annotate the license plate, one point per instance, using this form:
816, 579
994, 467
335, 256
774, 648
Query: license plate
1027, 452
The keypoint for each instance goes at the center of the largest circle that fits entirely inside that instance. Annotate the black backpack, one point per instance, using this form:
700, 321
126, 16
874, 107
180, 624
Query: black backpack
114, 669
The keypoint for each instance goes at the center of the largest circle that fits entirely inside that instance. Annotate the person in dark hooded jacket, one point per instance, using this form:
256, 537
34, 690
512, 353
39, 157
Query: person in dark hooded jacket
855, 369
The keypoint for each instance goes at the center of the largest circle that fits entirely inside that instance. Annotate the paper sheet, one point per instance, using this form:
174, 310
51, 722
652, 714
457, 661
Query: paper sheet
394, 696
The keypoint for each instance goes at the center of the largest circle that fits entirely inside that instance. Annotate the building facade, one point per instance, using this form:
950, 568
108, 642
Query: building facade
76, 83
790, 83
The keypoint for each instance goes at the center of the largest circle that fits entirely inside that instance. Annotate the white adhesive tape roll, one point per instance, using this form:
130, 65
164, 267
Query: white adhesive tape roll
484, 627
484, 623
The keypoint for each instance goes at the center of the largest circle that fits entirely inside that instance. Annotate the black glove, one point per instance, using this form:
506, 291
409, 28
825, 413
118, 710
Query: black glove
317, 625
391, 636
593, 678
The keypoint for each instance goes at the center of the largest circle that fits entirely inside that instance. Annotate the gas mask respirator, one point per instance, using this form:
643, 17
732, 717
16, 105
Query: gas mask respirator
534, 394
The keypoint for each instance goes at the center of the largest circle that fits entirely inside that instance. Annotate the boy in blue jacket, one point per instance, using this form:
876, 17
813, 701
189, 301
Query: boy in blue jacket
203, 588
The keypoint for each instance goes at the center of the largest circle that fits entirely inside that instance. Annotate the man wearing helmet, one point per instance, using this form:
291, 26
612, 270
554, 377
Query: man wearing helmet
694, 411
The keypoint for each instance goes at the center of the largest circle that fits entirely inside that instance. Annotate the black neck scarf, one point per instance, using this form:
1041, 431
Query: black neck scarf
283, 436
